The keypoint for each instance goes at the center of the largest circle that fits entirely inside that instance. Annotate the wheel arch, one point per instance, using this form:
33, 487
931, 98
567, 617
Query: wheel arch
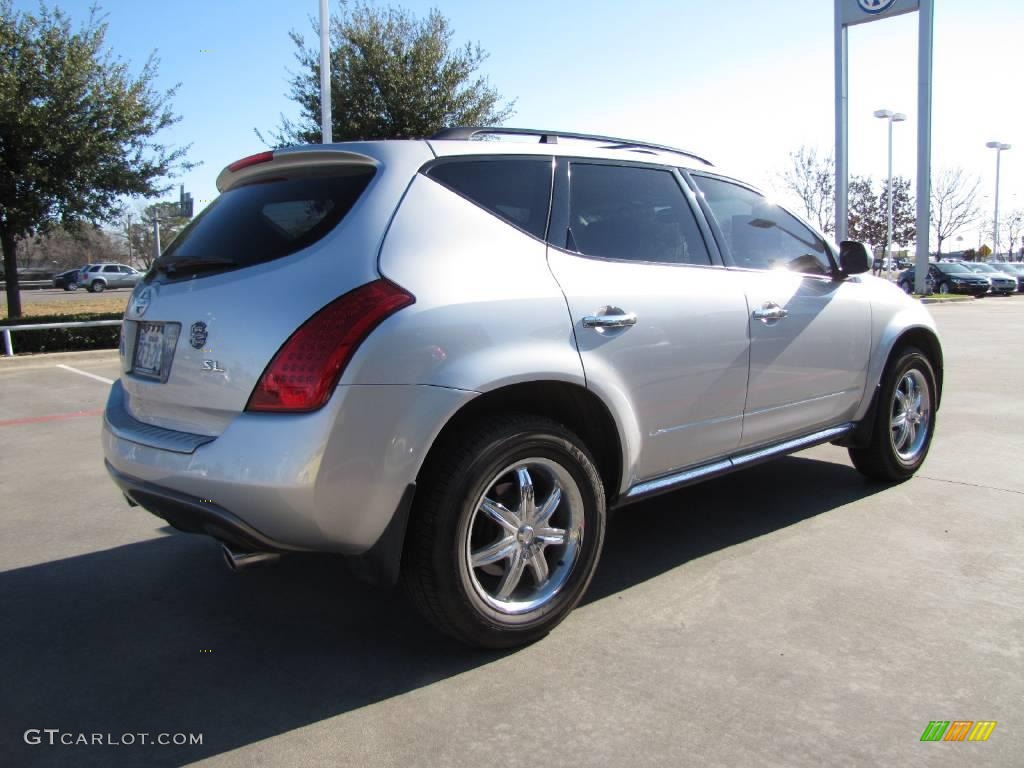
918, 336
575, 406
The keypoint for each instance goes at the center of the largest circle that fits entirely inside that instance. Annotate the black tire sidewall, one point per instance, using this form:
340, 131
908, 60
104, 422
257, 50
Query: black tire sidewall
487, 626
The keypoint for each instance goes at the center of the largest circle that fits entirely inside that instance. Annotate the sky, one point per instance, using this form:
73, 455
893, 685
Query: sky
743, 82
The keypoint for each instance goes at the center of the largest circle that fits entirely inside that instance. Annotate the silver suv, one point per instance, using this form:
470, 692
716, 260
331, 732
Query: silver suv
447, 359
99, 277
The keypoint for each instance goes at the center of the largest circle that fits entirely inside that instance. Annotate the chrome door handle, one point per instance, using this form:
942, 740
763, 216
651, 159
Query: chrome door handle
620, 320
770, 311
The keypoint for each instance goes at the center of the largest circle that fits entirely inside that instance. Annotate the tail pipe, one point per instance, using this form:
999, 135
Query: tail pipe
238, 559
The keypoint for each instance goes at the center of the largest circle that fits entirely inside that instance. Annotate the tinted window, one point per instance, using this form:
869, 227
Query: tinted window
111, 269
639, 214
517, 190
760, 235
269, 218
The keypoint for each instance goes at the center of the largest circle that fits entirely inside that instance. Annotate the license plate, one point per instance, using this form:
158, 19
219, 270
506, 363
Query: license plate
149, 350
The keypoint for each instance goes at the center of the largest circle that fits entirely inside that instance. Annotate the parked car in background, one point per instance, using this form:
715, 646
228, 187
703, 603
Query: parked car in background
1016, 269
515, 337
100, 277
68, 280
946, 277
1003, 283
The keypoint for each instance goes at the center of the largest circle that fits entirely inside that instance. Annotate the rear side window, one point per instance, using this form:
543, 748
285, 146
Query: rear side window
631, 213
268, 218
517, 190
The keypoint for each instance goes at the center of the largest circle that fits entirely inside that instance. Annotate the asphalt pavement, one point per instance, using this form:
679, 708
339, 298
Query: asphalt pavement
790, 615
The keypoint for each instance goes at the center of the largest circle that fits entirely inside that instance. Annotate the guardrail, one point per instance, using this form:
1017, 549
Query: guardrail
29, 284
8, 329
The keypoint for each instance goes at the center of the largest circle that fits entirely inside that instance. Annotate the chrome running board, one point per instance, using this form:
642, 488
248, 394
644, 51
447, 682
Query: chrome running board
724, 466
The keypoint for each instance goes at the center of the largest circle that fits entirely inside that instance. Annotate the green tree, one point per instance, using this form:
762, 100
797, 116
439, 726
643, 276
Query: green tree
77, 129
393, 75
904, 212
864, 222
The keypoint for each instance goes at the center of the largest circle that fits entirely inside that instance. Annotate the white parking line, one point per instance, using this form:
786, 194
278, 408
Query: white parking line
86, 373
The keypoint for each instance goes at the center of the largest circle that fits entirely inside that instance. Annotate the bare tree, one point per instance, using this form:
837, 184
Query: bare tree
1013, 226
812, 179
954, 203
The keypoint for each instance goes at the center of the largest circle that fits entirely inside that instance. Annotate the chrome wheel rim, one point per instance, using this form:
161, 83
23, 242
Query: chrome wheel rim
524, 536
910, 415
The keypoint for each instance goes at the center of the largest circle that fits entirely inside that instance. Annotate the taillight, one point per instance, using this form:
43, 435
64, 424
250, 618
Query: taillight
245, 162
306, 369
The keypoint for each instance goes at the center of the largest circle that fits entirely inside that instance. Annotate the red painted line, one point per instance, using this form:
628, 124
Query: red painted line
54, 417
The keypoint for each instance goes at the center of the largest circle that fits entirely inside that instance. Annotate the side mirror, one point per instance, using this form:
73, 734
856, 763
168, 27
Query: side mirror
854, 258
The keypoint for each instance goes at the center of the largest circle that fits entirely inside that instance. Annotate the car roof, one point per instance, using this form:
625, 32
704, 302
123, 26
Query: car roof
468, 141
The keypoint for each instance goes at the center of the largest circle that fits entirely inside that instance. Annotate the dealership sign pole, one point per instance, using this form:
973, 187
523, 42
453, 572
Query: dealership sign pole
849, 13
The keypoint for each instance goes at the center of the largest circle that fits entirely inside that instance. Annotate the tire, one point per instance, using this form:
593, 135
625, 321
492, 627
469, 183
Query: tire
907, 288
943, 288
71, 287
531, 571
96, 286
896, 450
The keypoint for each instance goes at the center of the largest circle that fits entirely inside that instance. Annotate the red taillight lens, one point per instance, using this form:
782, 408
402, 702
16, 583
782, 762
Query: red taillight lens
306, 369
245, 162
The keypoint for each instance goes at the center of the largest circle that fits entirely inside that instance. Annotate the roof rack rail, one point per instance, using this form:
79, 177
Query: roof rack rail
552, 137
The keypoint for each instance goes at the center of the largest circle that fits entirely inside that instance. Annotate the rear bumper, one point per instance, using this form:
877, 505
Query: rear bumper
194, 515
327, 481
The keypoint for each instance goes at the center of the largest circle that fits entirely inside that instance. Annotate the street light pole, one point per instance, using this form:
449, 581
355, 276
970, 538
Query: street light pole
325, 74
892, 117
998, 147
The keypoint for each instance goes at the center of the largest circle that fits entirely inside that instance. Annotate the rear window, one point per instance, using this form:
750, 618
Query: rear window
268, 218
517, 190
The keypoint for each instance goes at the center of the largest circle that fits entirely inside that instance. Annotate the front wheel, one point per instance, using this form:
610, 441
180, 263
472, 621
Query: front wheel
71, 287
906, 287
506, 531
943, 288
904, 420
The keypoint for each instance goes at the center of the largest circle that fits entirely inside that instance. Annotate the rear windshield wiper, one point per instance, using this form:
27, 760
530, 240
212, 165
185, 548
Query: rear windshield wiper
178, 266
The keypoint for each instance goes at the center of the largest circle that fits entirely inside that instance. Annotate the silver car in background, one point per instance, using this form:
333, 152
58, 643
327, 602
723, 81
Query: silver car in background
447, 359
99, 277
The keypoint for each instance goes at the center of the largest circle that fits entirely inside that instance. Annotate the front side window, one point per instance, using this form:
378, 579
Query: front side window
761, 235
515, 189
632, 213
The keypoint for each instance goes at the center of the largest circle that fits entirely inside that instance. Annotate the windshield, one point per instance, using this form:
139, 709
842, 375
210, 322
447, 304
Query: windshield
953, 269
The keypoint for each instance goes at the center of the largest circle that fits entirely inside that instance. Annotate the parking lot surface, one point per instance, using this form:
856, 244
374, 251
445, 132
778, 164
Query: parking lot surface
790, 615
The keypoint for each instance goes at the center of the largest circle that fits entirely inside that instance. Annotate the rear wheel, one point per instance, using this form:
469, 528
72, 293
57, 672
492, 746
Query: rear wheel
904, 420
907, 288
506, 532
96, 286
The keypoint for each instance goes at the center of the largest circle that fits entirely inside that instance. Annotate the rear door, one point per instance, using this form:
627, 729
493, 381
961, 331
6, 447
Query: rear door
810, 333
661, 328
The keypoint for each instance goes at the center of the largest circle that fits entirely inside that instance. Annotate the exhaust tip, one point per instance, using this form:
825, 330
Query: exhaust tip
237, 559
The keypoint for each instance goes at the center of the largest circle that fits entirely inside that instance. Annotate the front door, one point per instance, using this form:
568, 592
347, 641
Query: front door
810, 331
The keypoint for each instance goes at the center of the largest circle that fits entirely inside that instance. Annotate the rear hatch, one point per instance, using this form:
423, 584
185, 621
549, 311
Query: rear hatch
291, 232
